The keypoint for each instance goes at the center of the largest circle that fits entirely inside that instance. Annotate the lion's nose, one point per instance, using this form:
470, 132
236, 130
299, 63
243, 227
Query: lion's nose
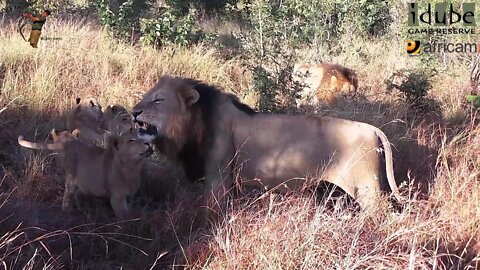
135, 114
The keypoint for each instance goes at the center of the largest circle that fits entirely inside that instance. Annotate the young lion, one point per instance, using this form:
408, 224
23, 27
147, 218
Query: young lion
113, 172
94, 125
324, 81
86, 117
63, 136
117, 120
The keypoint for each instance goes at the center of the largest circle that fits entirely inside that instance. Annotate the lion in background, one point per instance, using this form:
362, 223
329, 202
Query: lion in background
323, 82
113, 172
217, 138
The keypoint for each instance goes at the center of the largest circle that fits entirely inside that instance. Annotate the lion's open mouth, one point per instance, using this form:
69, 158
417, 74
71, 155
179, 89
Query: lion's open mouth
145, 128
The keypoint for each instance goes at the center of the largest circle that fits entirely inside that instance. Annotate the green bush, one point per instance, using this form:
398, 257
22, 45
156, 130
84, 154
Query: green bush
166, 28
411, 84
364, 17
209, 6
120, 25
169, 29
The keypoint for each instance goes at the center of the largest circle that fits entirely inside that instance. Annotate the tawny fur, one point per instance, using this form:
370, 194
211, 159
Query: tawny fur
94, 125
114, 172
220, 139
325, 81
87, 117
117, 120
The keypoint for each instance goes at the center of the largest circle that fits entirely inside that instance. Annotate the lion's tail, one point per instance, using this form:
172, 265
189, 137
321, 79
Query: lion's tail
43, 146
389, 164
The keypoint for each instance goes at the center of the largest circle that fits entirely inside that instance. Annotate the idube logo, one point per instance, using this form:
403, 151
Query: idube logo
439, 15
441, 18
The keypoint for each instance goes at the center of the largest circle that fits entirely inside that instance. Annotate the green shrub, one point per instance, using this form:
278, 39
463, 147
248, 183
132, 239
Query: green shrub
364, 17
120, 25
169, 29
209, 6
411, 84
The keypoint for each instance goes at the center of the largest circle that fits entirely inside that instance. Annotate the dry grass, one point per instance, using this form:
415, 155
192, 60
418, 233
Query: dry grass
438, 233
38, 86
85, 62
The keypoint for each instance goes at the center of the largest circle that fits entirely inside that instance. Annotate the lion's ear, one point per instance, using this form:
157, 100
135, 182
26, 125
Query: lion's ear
191, 96
92, 102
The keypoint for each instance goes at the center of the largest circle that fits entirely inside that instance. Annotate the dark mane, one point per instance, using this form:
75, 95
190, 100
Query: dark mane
209, 96
349, 74
202, 132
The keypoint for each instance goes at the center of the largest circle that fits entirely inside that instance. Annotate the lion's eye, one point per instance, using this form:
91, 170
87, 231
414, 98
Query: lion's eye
158, 100
131, 140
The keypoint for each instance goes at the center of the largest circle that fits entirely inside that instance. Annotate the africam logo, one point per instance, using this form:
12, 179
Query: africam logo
415, 47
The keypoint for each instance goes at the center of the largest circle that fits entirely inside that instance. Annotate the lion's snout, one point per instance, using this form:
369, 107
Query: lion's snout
135, 114
146, 130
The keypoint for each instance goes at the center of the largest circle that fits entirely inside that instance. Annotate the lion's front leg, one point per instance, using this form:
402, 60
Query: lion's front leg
219, 175
69, 192
119, 206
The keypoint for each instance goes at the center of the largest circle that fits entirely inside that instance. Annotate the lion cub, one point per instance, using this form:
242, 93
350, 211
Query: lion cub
117, 120
86, 117
94, 125
324, 81
113, 172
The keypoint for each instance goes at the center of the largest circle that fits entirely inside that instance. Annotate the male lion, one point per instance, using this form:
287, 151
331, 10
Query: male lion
217, 137
86, 117
324, 82
114, 172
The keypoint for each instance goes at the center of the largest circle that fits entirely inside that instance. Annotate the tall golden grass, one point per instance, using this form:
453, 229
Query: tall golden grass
85, 62
440, 232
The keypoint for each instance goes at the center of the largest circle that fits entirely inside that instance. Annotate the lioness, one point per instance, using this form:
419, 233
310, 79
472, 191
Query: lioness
86, 117
113, 172
324, 82
217, 137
